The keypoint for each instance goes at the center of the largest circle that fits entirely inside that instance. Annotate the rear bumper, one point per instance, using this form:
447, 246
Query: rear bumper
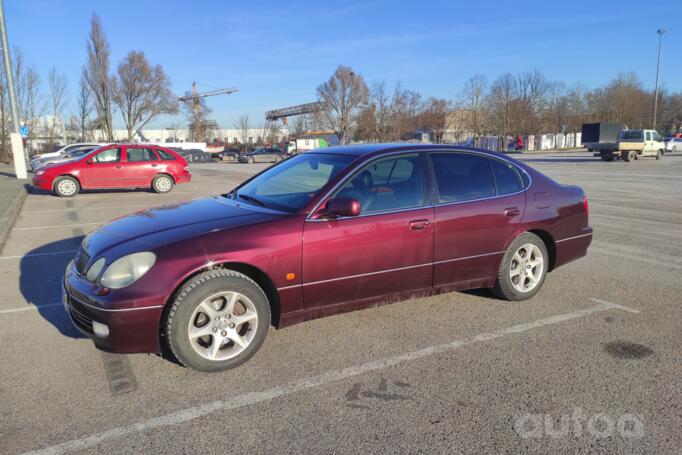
572, 248
131, 330
186, 178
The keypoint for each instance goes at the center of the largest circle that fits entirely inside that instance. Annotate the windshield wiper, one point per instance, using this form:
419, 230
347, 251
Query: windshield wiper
246, 197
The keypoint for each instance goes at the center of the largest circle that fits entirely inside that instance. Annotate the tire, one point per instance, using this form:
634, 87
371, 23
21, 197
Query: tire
253, 160
66, 186
204, 293
630, 156
162, 183
508, 285
674, 149
607, 158
658, 155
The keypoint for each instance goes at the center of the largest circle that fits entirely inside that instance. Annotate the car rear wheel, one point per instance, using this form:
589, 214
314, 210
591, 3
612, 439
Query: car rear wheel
218, 321
162, 183
607, 158
523, 268
66, 186
630, 156
658, 155
674, 149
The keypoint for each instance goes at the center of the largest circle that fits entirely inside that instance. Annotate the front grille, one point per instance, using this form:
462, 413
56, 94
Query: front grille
82, 260
80, 319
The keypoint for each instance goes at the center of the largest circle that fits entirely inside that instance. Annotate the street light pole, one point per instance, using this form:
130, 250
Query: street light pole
15, 136
660, 32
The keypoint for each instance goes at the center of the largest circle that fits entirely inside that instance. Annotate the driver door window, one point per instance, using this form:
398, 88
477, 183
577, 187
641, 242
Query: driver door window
108, 156
389, 184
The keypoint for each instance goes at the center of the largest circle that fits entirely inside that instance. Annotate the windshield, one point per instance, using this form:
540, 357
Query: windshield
290, 185
631, 134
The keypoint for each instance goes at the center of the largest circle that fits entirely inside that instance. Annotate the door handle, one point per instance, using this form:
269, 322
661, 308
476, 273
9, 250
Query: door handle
118, 166
155, 165
417, 225
512, 211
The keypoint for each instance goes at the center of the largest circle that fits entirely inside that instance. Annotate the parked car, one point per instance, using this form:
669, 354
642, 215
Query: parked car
60, 151
382, 222
73, 154
195, 155
262, 154
674, 145
115, 166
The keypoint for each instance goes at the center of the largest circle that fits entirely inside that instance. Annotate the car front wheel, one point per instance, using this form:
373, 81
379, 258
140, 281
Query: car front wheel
218, 321
523, 268
66, 186
162, 183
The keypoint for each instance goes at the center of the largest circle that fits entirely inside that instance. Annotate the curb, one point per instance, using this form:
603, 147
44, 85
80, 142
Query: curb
9, 217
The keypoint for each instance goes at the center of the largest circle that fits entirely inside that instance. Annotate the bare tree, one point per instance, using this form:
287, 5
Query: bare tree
97, 75
201, 127
243, 126
84, 110
58, 87
501, 102
344, 95
436, 117
474, 105
142, 92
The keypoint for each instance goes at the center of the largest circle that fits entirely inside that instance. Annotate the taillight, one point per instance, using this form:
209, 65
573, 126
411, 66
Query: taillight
586, 205
186, 169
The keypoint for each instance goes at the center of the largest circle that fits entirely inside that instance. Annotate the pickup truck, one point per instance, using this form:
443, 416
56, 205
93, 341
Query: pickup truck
632, 144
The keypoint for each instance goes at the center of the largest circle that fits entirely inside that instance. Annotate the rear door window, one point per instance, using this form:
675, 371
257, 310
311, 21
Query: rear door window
462, 177
136, 154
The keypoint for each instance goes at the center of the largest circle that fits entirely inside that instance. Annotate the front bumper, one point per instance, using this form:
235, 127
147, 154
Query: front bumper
42, 183
131, 329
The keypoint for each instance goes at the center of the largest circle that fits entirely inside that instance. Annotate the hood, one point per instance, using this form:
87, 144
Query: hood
172, 223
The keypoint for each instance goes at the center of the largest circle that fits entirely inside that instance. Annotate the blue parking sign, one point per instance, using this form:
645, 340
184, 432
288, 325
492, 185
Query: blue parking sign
24, 132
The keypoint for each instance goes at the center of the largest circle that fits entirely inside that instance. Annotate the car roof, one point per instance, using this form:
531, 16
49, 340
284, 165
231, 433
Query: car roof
372, 149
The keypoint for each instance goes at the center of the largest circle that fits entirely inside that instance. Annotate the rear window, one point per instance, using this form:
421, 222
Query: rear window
631, 135
164, 155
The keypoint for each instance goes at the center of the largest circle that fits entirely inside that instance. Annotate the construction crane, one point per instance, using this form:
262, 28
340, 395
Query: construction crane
290, 111
195, 98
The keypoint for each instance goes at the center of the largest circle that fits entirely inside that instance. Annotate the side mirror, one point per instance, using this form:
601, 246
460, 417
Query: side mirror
89, 161
343, 206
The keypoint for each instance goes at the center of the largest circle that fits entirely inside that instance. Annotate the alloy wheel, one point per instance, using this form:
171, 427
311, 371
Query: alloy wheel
526, 268
223, 325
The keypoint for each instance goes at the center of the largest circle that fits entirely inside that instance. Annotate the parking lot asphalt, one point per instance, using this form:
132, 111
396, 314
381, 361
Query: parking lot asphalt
591, 364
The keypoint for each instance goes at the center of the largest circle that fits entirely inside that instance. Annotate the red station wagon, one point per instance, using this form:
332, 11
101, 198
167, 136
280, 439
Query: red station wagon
320, 233
116, 166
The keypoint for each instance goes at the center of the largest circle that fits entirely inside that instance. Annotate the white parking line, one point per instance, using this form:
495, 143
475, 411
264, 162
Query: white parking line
71, 209
33, 307
29, 255
31, 228
329, 377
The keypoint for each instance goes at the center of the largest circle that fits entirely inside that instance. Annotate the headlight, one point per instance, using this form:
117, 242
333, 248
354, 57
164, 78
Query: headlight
40, 172
94, 270
127, 270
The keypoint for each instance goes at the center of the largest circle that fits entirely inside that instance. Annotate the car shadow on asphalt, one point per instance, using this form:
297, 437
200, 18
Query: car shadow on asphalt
40, 281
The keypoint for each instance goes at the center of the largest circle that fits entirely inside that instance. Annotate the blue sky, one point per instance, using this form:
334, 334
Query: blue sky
278, 52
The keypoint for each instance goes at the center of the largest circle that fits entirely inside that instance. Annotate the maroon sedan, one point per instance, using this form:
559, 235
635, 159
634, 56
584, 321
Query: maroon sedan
115, 166
323, 232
